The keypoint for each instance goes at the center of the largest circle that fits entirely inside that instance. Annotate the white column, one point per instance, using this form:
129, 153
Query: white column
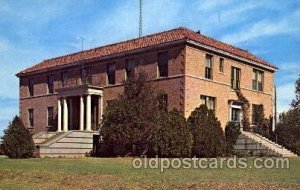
81, 119
58, 115
65, 115
88, 112
100, 109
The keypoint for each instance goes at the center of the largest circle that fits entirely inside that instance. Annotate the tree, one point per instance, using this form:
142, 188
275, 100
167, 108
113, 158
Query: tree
130, 119
288, 129
296, 102
17, 140
171, 137
258, 114
208, 136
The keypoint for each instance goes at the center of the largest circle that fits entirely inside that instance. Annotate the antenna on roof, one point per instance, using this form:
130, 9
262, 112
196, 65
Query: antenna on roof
82, 39
141, 19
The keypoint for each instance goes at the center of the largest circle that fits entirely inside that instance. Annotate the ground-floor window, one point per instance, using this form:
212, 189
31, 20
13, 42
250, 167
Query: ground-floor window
235, 115
209, 102
30, 117
50, 116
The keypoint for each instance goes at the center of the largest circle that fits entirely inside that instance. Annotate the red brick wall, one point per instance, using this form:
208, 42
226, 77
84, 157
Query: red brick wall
220, 86
146, 61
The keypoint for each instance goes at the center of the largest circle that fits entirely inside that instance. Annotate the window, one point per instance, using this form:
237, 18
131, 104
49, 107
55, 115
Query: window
86, 75
235, 78
129, 68
30, 117
50, 81
163, 59
111, 73
31, 87
235, 115
257, 80
209, 102
221, 65
50, 116
163, 102
64, 78
208, 67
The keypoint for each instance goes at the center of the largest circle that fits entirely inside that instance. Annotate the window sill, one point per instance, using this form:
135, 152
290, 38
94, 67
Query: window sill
221, 73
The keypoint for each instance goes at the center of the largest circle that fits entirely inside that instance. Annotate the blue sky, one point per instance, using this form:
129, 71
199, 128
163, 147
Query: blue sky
34, 30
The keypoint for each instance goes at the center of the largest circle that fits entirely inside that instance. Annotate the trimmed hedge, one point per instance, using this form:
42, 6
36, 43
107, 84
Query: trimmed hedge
208, 136
171, 137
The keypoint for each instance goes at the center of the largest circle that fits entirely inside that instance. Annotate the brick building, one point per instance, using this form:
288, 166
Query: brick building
71, 92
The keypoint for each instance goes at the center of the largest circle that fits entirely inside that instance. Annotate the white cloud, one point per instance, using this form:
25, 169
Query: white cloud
266, 27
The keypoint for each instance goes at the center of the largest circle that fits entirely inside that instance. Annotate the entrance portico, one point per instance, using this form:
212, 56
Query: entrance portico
79, 108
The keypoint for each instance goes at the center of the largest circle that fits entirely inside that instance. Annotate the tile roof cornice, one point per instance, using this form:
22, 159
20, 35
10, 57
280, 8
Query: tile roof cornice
152, 40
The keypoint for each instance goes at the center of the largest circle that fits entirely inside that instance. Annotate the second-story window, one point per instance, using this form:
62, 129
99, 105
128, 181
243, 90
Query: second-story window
111, 73
163, 59
31, 87
257, 80
129, 68
209, 102
30, 117
50, 83
235, 78
221, 65
208, 67
86, 75
64, 78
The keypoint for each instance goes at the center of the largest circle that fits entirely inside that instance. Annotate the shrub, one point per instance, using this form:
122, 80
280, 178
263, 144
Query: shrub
262, 128
171, 137
17, 140
208, 136
232, 132
129, 120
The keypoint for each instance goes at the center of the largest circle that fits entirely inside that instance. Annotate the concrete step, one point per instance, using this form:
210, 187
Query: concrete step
269, 144
67, 144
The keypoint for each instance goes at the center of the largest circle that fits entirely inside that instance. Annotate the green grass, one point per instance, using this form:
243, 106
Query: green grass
117, 173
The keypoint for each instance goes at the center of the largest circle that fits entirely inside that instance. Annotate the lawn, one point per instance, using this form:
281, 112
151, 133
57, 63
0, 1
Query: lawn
118, 173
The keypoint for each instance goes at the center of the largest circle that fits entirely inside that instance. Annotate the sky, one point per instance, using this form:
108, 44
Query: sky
34, 30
